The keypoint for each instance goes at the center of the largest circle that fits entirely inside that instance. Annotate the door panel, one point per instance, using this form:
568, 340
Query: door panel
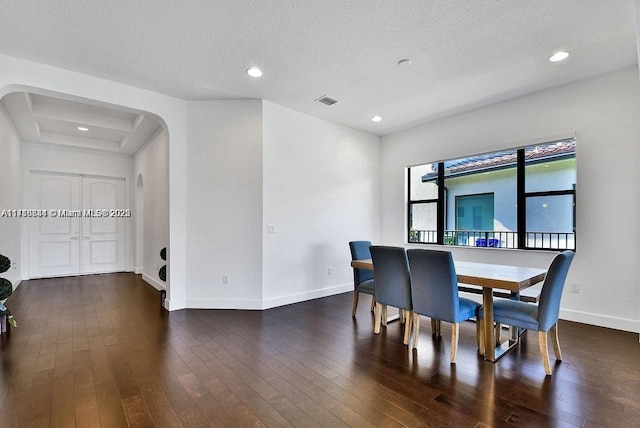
54, 245
102, 235
103, 252
57, 254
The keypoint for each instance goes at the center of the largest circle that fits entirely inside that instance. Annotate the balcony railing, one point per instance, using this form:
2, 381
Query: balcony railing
551, 240
497, 239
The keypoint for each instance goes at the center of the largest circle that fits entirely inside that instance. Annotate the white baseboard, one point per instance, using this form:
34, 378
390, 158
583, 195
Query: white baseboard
254, 304
617, 323
224, 304
16, 283
138, 270
306, 295
174, 305
155, 284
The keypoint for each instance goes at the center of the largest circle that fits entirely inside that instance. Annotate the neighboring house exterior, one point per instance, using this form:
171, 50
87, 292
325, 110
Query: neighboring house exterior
481, 199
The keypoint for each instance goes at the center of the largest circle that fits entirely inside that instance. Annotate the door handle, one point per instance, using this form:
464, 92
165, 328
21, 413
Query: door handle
86, 237
75, 238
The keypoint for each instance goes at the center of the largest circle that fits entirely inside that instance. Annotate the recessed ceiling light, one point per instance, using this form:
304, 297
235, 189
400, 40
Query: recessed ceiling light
254, 72
559, 56
376, 118
83, 128
404, 63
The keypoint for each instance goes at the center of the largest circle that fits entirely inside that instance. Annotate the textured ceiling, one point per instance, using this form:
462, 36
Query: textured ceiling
464, 54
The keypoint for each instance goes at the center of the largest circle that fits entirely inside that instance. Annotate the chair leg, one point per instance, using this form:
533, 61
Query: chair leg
498, 333
384, 315
455, 333
556, 342
407, 325
544, 352
416, 329
434, 326
378, 317
401, 313
480, 335
373, 302
355, 302
439, 325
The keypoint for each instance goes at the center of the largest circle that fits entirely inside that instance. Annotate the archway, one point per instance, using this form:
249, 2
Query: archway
71, 159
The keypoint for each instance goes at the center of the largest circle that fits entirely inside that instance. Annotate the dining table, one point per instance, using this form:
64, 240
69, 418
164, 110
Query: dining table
489, 276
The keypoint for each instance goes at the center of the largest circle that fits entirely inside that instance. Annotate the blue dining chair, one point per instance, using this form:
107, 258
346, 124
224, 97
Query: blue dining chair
543, 317
393, 285
362, 278
434, 289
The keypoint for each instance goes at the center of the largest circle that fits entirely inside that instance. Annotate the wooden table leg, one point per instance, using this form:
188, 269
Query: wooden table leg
492, 353
489, 337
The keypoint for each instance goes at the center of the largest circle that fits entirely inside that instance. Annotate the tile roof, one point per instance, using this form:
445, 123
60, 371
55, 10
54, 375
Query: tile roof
504, 159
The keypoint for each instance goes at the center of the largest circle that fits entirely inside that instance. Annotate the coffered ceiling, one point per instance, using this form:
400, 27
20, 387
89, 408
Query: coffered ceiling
463, 54
50, 120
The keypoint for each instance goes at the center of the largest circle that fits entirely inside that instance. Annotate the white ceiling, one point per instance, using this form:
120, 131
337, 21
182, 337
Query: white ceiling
464, 54
49, 120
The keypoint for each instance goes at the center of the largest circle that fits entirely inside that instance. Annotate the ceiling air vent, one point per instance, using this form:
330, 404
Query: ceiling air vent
326, 100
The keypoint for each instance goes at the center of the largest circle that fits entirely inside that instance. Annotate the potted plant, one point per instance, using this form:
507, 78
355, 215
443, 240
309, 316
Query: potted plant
6, 288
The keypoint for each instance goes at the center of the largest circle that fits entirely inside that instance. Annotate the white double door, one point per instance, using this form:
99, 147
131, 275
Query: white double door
66, 236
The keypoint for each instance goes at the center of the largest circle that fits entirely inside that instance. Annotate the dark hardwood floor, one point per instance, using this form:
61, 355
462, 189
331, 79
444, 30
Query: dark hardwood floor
99, 351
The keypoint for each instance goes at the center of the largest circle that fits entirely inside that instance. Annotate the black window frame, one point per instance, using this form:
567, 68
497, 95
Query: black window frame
521, 211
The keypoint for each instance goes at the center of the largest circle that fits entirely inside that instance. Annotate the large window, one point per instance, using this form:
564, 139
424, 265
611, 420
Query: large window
519, 198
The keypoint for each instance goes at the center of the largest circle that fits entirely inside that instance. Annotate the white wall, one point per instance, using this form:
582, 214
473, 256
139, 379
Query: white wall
252, 165
604, 113
10, 191
151, 164
20, 75
224, 196
74, 161
321, 190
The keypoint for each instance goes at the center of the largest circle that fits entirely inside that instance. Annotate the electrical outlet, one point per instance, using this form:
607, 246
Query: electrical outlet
575, 288
330, 271
225, 279
14, 265
271, 228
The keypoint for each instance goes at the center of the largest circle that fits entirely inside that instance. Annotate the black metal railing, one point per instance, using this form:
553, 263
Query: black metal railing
551, 240
497, 239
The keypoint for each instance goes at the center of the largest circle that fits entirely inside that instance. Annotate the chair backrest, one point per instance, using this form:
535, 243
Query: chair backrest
549, 306
360, 251
434, 284
391, 276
